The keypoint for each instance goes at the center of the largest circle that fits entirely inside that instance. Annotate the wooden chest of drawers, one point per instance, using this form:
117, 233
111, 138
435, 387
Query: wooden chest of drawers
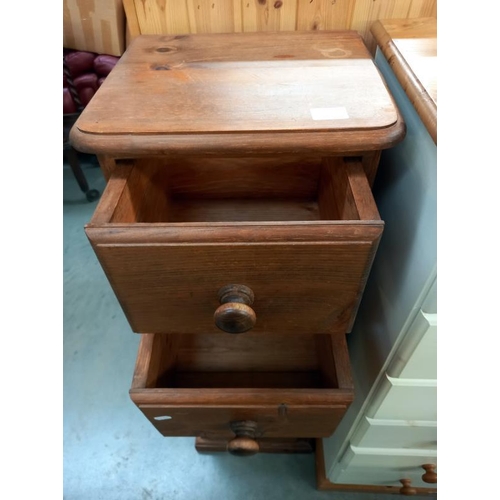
239, 202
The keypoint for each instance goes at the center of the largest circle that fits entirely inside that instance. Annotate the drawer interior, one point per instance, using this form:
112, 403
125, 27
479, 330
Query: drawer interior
170, 233
158, 190
197, 384
241, 361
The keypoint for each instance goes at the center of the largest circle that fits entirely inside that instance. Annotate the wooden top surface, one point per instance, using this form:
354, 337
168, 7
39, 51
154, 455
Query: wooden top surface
245, 82
410, 46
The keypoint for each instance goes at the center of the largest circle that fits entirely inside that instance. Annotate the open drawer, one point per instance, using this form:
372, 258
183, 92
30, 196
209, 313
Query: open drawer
300, 233
203, 385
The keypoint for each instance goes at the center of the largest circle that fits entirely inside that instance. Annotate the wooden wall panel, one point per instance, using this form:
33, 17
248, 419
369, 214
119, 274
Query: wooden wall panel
324, 14
367, 11
156, 17
269, 15
423, 8
212, 16
226, 16
94, 26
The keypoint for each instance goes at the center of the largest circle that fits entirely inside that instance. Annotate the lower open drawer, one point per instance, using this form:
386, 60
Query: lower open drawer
200, 385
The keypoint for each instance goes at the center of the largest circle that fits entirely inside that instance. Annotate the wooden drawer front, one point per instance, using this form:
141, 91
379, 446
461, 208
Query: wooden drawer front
372, 466
197, 385
400, 434
405, 399
417, 357
168, 245
174, 288
272, 420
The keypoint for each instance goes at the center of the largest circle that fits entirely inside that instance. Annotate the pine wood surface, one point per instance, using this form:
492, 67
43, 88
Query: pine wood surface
240, 83
410, 47
218, 16
349, 142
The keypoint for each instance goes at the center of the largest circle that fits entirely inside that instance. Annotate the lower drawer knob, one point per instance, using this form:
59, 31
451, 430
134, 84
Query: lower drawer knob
244, 444
235, 315
430, 475
407, 489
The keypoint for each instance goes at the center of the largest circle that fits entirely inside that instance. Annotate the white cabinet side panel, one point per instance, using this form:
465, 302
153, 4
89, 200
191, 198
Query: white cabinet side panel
417, 356
404, 269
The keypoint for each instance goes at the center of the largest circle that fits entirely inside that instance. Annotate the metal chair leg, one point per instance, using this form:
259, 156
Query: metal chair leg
74, 163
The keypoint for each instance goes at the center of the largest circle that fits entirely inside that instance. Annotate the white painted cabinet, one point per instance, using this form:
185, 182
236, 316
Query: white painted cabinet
383, 467
417, 359
390, 431
404, 399
399, 434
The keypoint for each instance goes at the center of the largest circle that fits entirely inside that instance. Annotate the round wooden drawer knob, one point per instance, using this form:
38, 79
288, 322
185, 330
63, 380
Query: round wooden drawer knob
235, 315
407, 489
430, 475
244, 444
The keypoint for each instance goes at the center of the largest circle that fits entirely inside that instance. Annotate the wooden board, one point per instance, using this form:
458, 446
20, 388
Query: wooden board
241, 83
410, 47
94, 26
227, 16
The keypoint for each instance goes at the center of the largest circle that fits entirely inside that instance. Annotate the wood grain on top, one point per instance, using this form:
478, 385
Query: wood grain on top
243, 82
410, 47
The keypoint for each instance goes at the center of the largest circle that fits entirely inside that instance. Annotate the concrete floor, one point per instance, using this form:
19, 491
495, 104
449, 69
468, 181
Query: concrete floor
111, 451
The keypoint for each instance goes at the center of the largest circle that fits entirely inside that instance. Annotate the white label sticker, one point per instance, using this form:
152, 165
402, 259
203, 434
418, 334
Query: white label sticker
339, 113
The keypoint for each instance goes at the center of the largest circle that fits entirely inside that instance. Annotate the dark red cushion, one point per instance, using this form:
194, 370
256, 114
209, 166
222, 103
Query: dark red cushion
103, 64
88, 70
86, 94
79, 62
86, 80
68, 103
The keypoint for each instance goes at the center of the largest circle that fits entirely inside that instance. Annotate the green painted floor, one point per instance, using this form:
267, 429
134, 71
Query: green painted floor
111, 451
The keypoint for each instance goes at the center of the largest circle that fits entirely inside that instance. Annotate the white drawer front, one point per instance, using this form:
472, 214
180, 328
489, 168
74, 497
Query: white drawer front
403, 399
373, 433
417, 356
381, 477
385, 467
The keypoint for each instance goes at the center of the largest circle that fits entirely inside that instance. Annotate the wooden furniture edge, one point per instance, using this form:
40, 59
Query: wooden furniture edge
142, 362
240, 144
107, 164
416, 92
340, 354
269, 445
360, 188
243, 233
132, 19
115, 185
310, 398
323, 483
